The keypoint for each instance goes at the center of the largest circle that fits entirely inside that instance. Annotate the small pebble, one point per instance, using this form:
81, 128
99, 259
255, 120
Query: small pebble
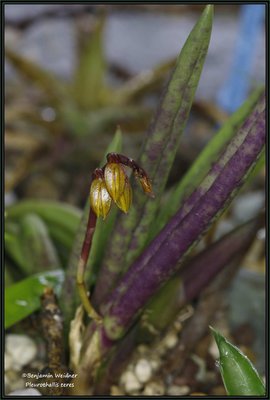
154, 389
170, 340
178, 390
20, 350
8, 362
130, 382
143, 370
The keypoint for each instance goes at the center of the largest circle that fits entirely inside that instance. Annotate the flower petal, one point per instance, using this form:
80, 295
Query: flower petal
115, 178
125, 200
100, 199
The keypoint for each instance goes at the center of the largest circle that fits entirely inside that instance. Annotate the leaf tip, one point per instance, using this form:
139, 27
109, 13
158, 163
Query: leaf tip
209, 10
217, 336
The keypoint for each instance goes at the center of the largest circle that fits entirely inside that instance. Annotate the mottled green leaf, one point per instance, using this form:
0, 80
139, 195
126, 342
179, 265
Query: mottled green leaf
203, 162
158, 152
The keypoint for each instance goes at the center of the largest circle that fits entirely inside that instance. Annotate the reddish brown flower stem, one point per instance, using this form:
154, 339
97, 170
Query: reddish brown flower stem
91, 224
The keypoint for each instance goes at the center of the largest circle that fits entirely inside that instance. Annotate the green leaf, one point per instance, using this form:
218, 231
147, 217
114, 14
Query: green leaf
36, 245
203, 162
159, 151
23, 298
53, 213
69, 297
61, 220
8, 277
8, 237
259, 166
239, 376
13, 247
89, 75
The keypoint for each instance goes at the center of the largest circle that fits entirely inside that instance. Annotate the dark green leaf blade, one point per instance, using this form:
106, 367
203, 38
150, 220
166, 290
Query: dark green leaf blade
238, 373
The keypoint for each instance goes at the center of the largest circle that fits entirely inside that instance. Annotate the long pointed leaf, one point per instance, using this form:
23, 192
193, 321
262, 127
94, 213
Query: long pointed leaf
238, 373
197, 273
201, 165
159, 260
89, 75
158, 153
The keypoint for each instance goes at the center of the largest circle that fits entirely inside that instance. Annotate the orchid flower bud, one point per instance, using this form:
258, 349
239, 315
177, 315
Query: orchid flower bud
125, 200
145, 183
100, 199
115, 179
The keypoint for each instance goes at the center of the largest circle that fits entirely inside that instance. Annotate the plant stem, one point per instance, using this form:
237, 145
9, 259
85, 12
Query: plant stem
91, 224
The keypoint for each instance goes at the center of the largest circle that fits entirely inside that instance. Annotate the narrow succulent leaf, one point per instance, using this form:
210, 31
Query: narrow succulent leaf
162, 309
238, 373
203, 162
160, 260
61, 237
13, 247
69, 297
55, 91
89, 74
23, 298
260, 166
36, 245
196, 274
61, 221
158, 153
52, 212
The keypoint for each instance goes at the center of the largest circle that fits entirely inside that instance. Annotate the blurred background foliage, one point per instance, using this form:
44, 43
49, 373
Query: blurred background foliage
73, 73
